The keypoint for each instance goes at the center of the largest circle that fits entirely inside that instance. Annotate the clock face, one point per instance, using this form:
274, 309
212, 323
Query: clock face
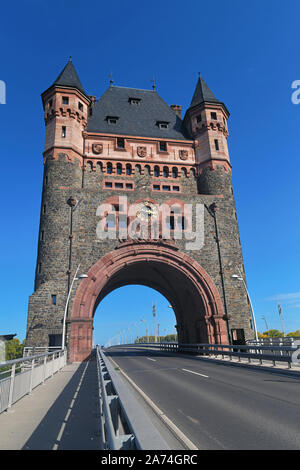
146, 211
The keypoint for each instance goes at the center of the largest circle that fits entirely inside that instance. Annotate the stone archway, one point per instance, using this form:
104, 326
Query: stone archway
188, 287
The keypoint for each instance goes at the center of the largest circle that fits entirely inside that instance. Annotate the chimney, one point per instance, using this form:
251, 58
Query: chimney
177, 109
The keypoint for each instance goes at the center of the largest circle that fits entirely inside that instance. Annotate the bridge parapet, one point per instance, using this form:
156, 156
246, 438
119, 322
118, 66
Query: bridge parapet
20, 376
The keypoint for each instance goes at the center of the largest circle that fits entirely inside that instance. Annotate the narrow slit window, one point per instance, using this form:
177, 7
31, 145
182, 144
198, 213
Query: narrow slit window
63, 132
217, 144
54, 299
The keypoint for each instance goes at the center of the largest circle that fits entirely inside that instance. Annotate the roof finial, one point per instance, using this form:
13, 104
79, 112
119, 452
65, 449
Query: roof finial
70, 58
153, 84
111, 80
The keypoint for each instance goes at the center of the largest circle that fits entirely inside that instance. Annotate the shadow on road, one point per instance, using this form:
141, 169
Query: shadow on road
71, 423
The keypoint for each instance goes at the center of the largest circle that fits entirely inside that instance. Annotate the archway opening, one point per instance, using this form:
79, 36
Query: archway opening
180, 279
132, 314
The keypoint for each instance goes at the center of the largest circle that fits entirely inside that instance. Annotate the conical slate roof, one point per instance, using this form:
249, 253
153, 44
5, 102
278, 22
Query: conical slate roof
203, 93
68, 77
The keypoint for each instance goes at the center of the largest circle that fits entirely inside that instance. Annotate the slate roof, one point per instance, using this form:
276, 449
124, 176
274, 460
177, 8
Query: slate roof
135, 119
68, 77
202, 93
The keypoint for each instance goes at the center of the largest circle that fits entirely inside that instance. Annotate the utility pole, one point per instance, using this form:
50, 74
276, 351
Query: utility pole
154, 322
281, 319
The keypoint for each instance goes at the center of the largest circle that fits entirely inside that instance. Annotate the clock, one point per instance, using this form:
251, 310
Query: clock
146, 210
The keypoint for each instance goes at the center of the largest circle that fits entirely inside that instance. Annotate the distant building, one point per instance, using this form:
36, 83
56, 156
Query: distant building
3, 339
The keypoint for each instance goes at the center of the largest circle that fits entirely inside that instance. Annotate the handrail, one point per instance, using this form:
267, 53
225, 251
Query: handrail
26, 373
124, 424
277, 353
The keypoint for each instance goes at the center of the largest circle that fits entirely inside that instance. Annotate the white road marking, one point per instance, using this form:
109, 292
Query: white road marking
154, 360
197, 373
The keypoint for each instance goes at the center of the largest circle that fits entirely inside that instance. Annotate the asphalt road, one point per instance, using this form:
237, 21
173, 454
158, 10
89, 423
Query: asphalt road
218, 406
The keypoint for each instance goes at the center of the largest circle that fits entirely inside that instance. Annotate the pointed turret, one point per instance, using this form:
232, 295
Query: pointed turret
66, 107
202, 93
206, 121
69, 78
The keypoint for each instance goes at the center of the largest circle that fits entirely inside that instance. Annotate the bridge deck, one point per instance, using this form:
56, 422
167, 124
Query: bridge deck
61, 414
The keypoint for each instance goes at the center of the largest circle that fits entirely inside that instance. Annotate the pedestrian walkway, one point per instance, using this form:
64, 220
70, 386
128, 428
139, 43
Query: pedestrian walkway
62, 414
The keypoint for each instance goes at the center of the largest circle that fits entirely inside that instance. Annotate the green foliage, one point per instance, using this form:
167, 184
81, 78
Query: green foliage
14, 349
151, 339
294, 333
273, 334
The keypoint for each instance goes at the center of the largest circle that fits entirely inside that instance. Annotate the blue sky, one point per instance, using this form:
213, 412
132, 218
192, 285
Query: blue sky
247, 52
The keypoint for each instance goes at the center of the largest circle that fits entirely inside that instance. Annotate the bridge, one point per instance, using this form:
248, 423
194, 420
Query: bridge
153, 396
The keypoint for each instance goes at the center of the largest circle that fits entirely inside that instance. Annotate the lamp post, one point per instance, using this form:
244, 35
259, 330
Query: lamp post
240, 278
81, 276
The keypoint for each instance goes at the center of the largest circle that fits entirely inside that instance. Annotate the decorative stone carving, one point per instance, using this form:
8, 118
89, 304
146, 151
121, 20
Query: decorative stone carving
141, 151
97, 148
183, 154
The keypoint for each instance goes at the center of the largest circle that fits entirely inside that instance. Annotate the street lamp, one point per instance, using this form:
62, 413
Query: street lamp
240, 278
81, 276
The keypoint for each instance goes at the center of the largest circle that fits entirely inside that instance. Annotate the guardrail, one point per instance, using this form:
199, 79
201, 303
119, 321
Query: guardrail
20, 376
250, 352
123, 422
34, 350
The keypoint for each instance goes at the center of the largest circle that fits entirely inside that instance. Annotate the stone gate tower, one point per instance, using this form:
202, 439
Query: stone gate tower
119, 175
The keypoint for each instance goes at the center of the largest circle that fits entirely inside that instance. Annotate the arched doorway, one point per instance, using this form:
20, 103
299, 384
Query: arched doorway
188, 287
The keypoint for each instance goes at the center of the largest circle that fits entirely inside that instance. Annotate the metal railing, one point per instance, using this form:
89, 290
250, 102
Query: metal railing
123, 422
261, 353
20, 376
34, 350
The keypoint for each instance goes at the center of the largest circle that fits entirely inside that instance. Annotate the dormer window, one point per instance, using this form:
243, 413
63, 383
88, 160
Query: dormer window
162, 124
65, 100
135, 101
112, 119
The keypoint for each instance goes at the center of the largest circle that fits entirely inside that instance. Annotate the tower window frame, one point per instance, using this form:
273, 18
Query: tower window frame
163, 146
63, 132
65, 100
213, 116
217, 146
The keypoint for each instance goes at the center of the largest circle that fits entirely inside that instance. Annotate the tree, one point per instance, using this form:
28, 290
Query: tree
14, 349
273, 334
294, 333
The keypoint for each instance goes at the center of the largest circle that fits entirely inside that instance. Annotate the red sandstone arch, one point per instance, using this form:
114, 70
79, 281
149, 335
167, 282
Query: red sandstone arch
106, 275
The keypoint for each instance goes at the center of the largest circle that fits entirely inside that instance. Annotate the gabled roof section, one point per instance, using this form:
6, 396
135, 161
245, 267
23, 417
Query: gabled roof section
138, 113
203, 93
68, 77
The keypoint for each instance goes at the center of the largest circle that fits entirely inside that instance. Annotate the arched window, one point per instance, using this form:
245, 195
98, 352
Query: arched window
138, 169
119, 168
192, 172
174, 172
156, 171
147, 169
99, 166
109, 168
184, 172
166, 172
128, 169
